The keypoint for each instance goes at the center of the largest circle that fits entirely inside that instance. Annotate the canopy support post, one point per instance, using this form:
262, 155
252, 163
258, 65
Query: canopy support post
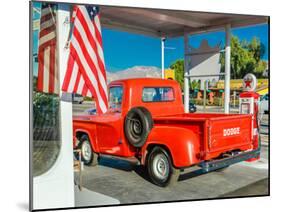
186, 74
163, 57
227, 68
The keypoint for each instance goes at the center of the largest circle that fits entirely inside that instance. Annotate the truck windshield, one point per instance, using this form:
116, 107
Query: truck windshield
115, 97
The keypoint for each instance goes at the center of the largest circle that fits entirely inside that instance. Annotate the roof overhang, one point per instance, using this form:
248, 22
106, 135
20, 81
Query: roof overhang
172, 23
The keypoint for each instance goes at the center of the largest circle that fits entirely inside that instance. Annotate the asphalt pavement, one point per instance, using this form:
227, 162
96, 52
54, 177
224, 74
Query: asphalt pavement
129, 184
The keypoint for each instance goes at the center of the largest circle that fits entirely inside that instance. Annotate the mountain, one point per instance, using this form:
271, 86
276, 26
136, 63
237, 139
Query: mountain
135, 72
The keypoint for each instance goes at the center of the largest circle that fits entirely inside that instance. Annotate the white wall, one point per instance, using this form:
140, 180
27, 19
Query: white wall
203, 61
55, 189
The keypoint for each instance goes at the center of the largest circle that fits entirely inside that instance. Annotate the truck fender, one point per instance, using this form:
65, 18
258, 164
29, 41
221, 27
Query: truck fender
182, 144
91, 137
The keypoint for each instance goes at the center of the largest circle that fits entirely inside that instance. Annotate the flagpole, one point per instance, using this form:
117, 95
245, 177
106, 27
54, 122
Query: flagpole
63, 29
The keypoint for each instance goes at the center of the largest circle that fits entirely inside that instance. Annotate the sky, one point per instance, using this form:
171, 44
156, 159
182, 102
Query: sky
123, 50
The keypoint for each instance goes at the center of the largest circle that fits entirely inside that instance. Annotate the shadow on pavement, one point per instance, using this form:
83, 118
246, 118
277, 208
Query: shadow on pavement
125, 166
141, 171
116, 164
189, 175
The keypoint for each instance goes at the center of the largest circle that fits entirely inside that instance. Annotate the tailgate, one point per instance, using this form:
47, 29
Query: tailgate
230, 132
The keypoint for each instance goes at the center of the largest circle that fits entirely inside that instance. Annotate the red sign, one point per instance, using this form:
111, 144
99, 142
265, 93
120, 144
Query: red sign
249, 82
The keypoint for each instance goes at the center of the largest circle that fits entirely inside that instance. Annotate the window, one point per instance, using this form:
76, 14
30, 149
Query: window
158, 94
46, 131
115, 97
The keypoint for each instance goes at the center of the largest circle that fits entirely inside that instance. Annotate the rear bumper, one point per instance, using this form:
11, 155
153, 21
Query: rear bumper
208, 166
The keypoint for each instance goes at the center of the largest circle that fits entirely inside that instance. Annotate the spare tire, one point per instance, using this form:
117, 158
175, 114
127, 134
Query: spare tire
138, 123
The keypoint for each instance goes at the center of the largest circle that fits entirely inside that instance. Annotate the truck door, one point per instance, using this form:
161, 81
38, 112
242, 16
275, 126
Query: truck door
109, 129
108, 134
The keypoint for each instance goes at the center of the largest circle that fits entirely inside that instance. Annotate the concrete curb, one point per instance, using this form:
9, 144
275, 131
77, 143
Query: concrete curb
90, 198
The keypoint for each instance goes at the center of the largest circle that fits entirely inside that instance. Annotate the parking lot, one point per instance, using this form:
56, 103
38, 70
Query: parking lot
129, 184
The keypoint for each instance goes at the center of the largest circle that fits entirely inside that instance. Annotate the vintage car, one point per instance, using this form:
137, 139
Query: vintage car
145, 124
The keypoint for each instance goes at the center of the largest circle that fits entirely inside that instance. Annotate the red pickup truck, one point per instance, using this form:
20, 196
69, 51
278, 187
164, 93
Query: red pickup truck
146, 124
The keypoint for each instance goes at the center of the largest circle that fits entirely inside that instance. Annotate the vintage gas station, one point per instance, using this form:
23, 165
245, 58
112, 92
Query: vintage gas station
55, 188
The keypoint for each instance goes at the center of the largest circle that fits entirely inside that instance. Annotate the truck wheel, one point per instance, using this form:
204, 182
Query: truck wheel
87, 154
138, 123
160, 168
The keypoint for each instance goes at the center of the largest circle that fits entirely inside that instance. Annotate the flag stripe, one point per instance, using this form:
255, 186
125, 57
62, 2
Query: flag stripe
57, 82
46, 11
98, 30
47, 18
47, 38
85, 90
91, 59
93, 92
46, 24
48, 76
92, 47
91, 30
80, 85
52, 69
48, 30
73, 77
46, 69
68, 76
89, 93
87, 73
77, 82
40, 70
86, 69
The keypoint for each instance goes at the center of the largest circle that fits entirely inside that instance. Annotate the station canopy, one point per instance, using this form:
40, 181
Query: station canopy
171, 23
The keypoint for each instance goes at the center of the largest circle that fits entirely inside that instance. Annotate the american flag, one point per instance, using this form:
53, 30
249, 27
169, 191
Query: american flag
85, 72
47, 58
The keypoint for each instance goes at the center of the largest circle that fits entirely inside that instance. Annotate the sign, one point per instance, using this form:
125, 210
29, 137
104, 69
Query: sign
249, 82
170, 74
231, 131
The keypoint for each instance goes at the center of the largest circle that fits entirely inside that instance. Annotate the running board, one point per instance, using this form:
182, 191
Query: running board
131, 160
221, 163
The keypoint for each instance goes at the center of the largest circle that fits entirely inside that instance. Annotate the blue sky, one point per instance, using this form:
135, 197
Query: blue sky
123, 50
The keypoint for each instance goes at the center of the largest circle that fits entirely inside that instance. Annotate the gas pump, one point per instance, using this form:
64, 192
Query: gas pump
249, 104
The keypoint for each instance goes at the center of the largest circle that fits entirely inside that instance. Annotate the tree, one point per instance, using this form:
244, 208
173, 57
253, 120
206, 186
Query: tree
194, 84
45, 107
245, 58
178, 67
256, 48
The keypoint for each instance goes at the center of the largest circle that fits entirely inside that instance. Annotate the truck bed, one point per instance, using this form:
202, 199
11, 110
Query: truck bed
218, 133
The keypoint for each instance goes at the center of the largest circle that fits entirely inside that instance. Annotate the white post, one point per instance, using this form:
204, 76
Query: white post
186, 73
234, 98
55, 188
227, 69
163, 57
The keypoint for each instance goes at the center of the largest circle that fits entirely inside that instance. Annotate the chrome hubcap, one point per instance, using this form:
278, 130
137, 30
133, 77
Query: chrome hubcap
160, 166
86, 150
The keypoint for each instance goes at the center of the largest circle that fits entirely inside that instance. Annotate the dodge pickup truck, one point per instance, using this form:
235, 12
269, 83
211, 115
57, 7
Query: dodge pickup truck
145, 124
